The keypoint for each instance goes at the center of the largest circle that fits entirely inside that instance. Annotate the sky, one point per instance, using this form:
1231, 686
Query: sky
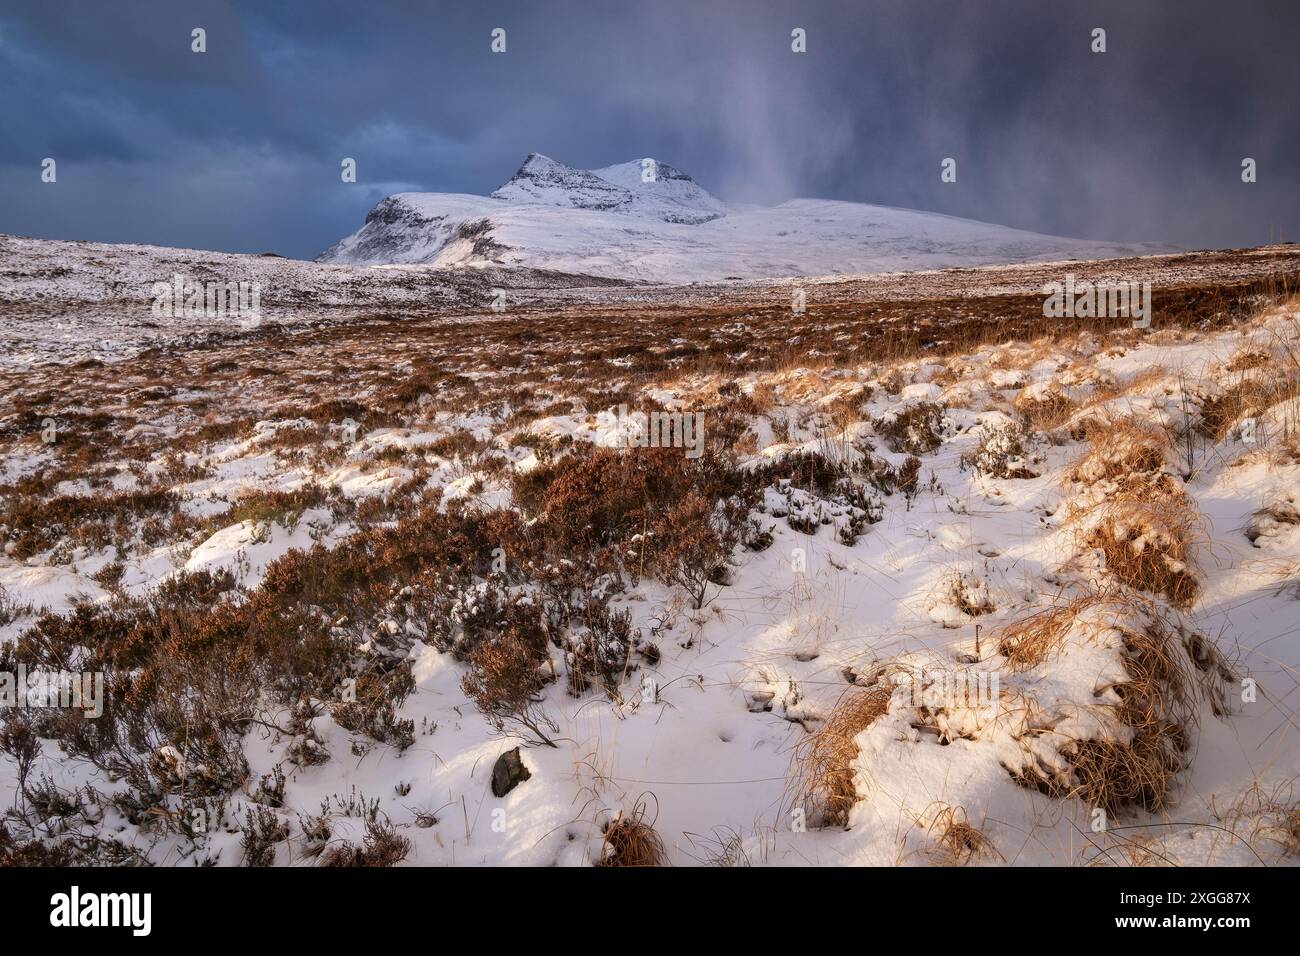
239, 148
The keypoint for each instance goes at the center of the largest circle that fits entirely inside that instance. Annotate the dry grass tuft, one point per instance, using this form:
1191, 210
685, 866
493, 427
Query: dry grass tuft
1291, 827
1247, 398
724, 849
955, 842
1147, 544
1028, 642
824, 777
1045, 411
632, 841
1156, 709
1270, 520
1265, 818
1120, 450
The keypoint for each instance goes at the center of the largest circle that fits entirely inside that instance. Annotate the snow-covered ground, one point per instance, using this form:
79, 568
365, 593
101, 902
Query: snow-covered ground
860, 585
649, 222
75, 301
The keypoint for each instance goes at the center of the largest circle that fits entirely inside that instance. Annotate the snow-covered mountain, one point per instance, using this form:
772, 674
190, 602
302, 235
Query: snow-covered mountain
647, 221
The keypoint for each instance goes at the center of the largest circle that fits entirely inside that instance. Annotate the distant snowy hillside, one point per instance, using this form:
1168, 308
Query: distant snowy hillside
647, 221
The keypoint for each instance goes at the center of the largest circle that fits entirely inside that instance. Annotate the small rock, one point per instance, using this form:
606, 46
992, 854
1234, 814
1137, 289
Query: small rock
508, 773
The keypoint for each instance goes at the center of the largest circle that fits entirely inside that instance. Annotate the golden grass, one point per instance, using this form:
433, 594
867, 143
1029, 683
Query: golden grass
1260, 815
1045, 411
1148, 544
824, 785
631, 840
1028, 641
1244, 399
954, 842
1156, 708
1120, 450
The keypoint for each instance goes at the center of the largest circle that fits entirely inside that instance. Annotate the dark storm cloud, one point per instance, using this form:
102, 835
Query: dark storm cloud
239, 148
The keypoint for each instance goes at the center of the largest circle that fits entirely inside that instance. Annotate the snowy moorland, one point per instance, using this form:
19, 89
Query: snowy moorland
946, 582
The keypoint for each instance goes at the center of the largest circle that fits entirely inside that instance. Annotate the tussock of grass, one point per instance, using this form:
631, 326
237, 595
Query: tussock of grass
914, 429
1156, 713
1247, 398
824, 777
1268, 521
1028, 641
954, 842
1148, 545
630, 840
1120, 451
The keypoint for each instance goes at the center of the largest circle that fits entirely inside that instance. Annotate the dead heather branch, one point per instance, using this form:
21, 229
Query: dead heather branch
505, 683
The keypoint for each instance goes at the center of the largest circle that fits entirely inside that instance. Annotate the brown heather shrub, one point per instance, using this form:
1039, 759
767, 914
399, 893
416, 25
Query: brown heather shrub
597, 498
177, 685
96, 521
187, 670
601, 651
601, 497
909, 476
459, 444
379, 693
505, 682
914, 429
263, 829
809, 470
382, 847
691, 552
276, 507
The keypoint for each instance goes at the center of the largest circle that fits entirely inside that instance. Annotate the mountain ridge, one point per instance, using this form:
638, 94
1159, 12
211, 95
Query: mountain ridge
647, 221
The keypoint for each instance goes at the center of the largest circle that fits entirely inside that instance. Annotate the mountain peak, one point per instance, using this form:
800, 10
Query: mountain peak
644, 171
543, 180
664, 191
639, 187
